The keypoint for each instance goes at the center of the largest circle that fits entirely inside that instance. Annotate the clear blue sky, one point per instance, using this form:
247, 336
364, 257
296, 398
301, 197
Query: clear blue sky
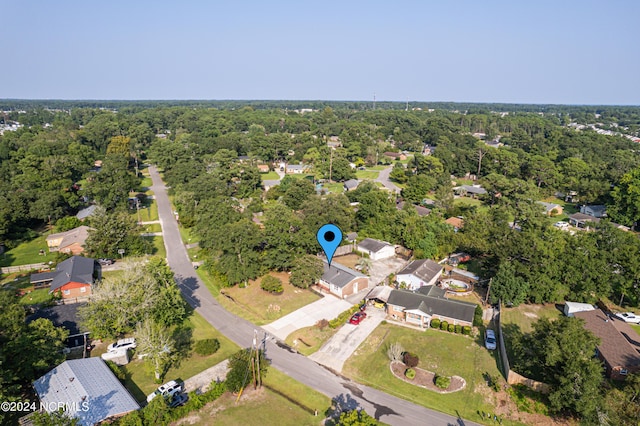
564, 51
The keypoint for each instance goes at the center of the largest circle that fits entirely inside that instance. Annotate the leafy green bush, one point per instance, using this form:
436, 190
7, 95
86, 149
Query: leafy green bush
458, 329
451, 328
410, 373
443, 382
117, 371
435, 323
444, 325
207, 346
477, 316
343, 317
271, 284
466, 330
410, 359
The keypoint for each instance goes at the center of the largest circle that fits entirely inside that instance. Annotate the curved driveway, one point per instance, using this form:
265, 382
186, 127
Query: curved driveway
383, 178
348, 394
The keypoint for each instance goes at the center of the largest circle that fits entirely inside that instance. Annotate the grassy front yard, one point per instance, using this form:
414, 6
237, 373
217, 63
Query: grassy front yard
525, 315
157, 246
439, 352
282, 401
140, 379
308, 340
269, 176
28, 252
367, 174
260, 307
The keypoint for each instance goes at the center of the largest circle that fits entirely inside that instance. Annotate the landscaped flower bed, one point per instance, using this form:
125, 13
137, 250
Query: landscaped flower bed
426, 379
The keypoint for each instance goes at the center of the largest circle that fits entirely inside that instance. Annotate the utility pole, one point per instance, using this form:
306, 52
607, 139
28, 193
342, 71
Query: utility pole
486, 300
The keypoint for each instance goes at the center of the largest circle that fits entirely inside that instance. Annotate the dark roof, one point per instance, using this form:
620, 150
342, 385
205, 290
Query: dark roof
425, 269
352, 236
339, 275
392, 154
581, 217
41, 277
351, 183
77, 268
61, 316
431, 290
422, 211
472, 189
432, 305
372, 245
613, 347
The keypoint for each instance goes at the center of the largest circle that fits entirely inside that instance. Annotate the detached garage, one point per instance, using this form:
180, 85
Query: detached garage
376, 250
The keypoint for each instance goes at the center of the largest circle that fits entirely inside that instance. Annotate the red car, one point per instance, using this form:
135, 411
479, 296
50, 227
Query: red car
357, 317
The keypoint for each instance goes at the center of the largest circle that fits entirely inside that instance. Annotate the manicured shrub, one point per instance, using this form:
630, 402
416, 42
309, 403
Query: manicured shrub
410, 373
410, 360
466, 330
343, 317
458, 329
207, 346
271, 284
451, 328
443, 382
477, 316
435, 323
444, 325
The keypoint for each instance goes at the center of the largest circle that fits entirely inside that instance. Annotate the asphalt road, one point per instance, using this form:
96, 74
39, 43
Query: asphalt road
383, 178
346, 393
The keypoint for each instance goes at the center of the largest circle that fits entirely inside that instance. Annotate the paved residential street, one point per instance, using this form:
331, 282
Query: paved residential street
383, 178
386, 408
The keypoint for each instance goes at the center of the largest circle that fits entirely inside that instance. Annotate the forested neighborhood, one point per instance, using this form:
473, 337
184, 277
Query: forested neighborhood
457, 219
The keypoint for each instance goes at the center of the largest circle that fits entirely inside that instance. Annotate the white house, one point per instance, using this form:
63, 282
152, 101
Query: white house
419, 273
376, 249
571, 308
595, 210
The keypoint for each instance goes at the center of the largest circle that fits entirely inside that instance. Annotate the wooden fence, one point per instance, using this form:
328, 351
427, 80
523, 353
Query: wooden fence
20, 268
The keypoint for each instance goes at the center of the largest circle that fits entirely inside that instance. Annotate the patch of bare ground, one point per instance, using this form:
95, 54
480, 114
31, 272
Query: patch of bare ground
426, 379
506, 408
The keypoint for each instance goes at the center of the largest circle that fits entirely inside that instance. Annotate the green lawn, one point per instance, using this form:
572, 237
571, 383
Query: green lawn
154, 227
282, 401
334, 188
36, 297
367, 174
28, 252
636, 328
260, 307
148, 213
439, 352
466, 202
377, 168
140, 378
269, 176
308, 340
146, 183
188, 235
525, 315
157, 245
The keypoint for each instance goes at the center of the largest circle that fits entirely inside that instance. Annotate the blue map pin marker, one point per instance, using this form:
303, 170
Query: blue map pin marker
329, 236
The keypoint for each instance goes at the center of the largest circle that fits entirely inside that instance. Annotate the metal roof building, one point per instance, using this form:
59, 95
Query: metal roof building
88, 389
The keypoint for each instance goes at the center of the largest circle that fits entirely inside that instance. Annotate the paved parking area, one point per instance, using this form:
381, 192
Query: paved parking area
380, 269
327, 308
343, 344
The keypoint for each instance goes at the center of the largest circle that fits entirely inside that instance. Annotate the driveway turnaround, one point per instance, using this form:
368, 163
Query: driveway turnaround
327, 308
344, 343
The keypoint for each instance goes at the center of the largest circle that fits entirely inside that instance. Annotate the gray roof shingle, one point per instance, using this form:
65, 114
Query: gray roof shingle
425, 269
339, 275
430, 305
372, 245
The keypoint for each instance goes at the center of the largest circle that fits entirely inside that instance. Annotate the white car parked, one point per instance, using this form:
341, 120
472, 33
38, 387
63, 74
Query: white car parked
628, 317
167, 390
122, 345
561, 225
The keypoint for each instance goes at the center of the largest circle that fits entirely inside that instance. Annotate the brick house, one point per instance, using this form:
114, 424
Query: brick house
620, 358
73, 278
419, 308
342, 281
70, 242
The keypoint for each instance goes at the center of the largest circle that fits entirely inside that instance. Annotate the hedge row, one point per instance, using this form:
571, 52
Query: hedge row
343, 317
451, 328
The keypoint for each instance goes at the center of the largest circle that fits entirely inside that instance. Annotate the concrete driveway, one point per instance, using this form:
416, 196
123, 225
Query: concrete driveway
380, 269
343, 344
327, 308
